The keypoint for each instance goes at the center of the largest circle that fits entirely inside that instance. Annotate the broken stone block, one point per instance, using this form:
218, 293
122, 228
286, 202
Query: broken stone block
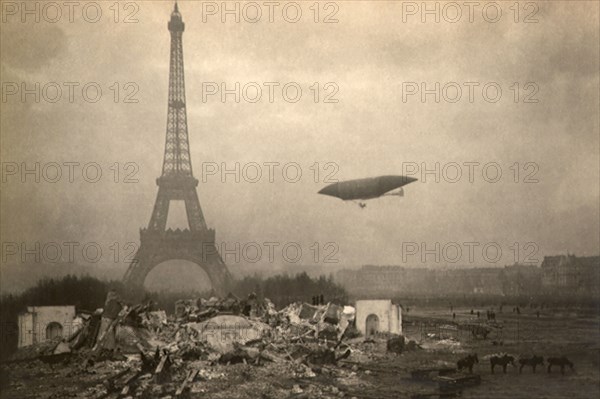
307, 312
332, 314
296, 389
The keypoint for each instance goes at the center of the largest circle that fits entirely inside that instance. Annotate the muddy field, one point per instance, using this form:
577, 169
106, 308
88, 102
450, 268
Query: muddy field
369, 372
553, 333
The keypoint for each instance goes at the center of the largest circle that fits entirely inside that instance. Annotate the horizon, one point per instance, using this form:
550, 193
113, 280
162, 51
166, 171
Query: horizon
538, 205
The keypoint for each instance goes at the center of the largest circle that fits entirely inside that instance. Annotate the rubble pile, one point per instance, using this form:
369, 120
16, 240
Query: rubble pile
139, 351
232, 348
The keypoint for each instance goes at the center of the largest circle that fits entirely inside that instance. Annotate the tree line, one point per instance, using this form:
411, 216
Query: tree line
89, 293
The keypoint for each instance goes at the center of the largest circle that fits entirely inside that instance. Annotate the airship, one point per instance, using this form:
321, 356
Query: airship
368, 188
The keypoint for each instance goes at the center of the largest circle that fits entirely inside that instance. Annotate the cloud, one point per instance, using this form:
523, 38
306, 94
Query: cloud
33, 46
370, 131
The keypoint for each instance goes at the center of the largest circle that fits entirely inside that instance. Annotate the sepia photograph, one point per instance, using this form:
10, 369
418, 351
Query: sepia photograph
360, 199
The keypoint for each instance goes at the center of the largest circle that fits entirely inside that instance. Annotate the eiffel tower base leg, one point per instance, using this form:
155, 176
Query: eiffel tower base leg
147, 258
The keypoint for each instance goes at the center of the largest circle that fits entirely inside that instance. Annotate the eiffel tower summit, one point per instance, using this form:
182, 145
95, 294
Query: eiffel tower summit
177, 183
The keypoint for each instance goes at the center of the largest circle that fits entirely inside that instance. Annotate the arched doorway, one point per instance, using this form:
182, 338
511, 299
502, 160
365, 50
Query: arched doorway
53, 330
177, 276
202, 254
372, 325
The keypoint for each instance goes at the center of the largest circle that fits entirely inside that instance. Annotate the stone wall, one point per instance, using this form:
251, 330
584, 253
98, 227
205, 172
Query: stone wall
34, 323
390, 317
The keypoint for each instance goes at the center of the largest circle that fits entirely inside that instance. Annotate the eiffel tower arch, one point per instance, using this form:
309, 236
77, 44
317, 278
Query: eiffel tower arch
177, 183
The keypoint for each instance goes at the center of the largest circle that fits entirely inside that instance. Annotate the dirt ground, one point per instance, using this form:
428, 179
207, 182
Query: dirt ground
553, 333
369, 372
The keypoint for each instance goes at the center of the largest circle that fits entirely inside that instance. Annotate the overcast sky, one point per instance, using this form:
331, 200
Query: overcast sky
370, 55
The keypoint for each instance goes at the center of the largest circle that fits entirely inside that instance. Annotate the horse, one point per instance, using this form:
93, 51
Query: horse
559, 361
467, 362
502, 361
533, 361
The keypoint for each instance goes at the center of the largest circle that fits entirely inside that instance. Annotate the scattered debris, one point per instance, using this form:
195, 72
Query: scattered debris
141, 352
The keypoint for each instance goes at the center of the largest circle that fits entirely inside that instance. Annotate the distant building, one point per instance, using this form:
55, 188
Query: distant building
390, 281
41, 323
519, 279
378, 315
569, 274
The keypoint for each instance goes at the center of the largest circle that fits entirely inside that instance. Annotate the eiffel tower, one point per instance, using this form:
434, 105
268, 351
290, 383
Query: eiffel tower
196, 243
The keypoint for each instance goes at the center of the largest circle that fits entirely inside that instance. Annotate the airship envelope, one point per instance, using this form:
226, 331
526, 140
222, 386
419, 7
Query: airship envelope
362, 189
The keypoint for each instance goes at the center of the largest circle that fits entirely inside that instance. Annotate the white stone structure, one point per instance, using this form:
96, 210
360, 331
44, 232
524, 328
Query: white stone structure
41, 323
378, 315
